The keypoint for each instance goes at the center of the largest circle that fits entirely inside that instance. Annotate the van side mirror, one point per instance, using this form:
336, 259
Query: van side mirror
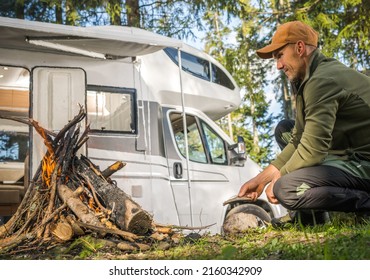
239, 149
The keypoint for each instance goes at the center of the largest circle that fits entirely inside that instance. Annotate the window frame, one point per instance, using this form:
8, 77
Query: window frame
208, 150
199, 123
133, 107
172, 54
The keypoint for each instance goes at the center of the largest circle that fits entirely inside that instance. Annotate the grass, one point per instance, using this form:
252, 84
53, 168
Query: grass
342, 239
318, 243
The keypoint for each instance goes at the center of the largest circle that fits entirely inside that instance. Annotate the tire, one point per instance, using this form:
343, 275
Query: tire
244, 217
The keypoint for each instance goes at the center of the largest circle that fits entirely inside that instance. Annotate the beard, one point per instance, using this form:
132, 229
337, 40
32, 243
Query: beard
297, 77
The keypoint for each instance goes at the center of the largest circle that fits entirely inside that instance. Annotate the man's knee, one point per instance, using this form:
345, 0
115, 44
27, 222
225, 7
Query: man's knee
283, 132
285, 193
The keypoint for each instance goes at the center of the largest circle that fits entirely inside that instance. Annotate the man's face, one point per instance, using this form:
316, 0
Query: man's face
288, 60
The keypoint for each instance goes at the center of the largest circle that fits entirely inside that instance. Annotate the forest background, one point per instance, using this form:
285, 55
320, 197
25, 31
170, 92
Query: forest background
231, 31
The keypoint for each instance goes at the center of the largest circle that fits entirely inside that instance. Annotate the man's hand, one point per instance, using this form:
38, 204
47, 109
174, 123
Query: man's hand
269, 190
255, 186
251, 189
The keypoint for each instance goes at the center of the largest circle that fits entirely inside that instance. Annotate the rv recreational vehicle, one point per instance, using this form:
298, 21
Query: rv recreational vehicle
140, 90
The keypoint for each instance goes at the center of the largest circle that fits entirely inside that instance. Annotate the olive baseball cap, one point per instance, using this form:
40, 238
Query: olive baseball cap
290, 32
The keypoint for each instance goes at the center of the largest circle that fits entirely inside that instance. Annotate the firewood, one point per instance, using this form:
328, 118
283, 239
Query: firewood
69, 196
127, 247
166, 230
13, 241
158, 236
113, 168
77, 230
96, 199
103, 231
51, 202
77, 206
126, 213
62, 230
143, 247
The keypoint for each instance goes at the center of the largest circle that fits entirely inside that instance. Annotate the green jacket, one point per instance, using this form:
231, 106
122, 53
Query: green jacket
332, 125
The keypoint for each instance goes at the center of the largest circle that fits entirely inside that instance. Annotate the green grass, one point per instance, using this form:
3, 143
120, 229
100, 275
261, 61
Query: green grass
316, 243
342, 239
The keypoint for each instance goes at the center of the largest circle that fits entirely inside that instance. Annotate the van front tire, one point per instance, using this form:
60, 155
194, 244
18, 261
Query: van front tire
243, 217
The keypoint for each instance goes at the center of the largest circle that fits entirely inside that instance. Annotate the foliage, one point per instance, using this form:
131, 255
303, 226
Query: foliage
85, 246
344, 27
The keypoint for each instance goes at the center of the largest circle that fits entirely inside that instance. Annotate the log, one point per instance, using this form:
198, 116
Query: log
77, 206
103, 231
62, 230
126, 213
113, 168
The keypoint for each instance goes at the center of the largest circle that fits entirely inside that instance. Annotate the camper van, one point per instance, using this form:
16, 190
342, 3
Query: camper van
151, 102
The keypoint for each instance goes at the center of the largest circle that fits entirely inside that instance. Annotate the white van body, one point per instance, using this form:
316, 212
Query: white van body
135, 96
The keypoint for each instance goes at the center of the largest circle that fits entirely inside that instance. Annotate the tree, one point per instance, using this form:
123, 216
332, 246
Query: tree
344, 27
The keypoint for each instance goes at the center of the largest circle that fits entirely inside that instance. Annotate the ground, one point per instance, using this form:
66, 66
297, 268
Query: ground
340, 239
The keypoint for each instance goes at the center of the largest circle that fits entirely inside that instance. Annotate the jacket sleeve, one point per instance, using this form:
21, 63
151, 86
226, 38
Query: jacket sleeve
321, 98
284, 156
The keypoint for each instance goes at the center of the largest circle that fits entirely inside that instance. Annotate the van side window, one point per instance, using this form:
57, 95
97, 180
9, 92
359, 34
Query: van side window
215, 145
111, 109
200, 68
13, 146
195, 144
205, 145
219, 77
192, 64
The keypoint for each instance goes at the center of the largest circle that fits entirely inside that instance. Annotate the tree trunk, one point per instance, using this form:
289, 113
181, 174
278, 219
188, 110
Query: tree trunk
133, 13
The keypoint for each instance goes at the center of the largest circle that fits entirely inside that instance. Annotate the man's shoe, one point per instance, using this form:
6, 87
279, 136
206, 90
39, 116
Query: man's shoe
312, 218
362, 217
284, 221
304, 218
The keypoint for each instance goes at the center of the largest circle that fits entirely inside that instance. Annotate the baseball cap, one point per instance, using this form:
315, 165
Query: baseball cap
290, 32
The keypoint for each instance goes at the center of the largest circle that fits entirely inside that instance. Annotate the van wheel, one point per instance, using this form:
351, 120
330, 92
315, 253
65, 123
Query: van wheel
243, 217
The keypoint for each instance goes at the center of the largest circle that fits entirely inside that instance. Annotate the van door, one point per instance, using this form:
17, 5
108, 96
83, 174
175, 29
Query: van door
199, 200
56, 96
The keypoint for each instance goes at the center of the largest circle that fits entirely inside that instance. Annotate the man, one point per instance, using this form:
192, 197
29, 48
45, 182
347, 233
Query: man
326, 164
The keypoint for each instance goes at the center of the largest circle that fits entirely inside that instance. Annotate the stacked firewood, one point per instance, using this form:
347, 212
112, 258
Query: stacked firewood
69, 196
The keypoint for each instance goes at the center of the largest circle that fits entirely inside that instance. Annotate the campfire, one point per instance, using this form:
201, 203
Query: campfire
69, 196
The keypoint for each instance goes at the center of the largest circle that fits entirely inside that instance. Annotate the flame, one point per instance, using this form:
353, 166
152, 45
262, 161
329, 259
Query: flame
48, 166
48, 163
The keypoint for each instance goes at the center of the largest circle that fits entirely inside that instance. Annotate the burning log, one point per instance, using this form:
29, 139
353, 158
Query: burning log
126, 213
81, 210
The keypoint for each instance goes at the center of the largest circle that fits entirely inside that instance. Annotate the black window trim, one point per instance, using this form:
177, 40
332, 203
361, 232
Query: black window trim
203, 138
124, 90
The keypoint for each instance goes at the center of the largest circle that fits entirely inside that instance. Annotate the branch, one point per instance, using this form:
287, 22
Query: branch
125, 234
